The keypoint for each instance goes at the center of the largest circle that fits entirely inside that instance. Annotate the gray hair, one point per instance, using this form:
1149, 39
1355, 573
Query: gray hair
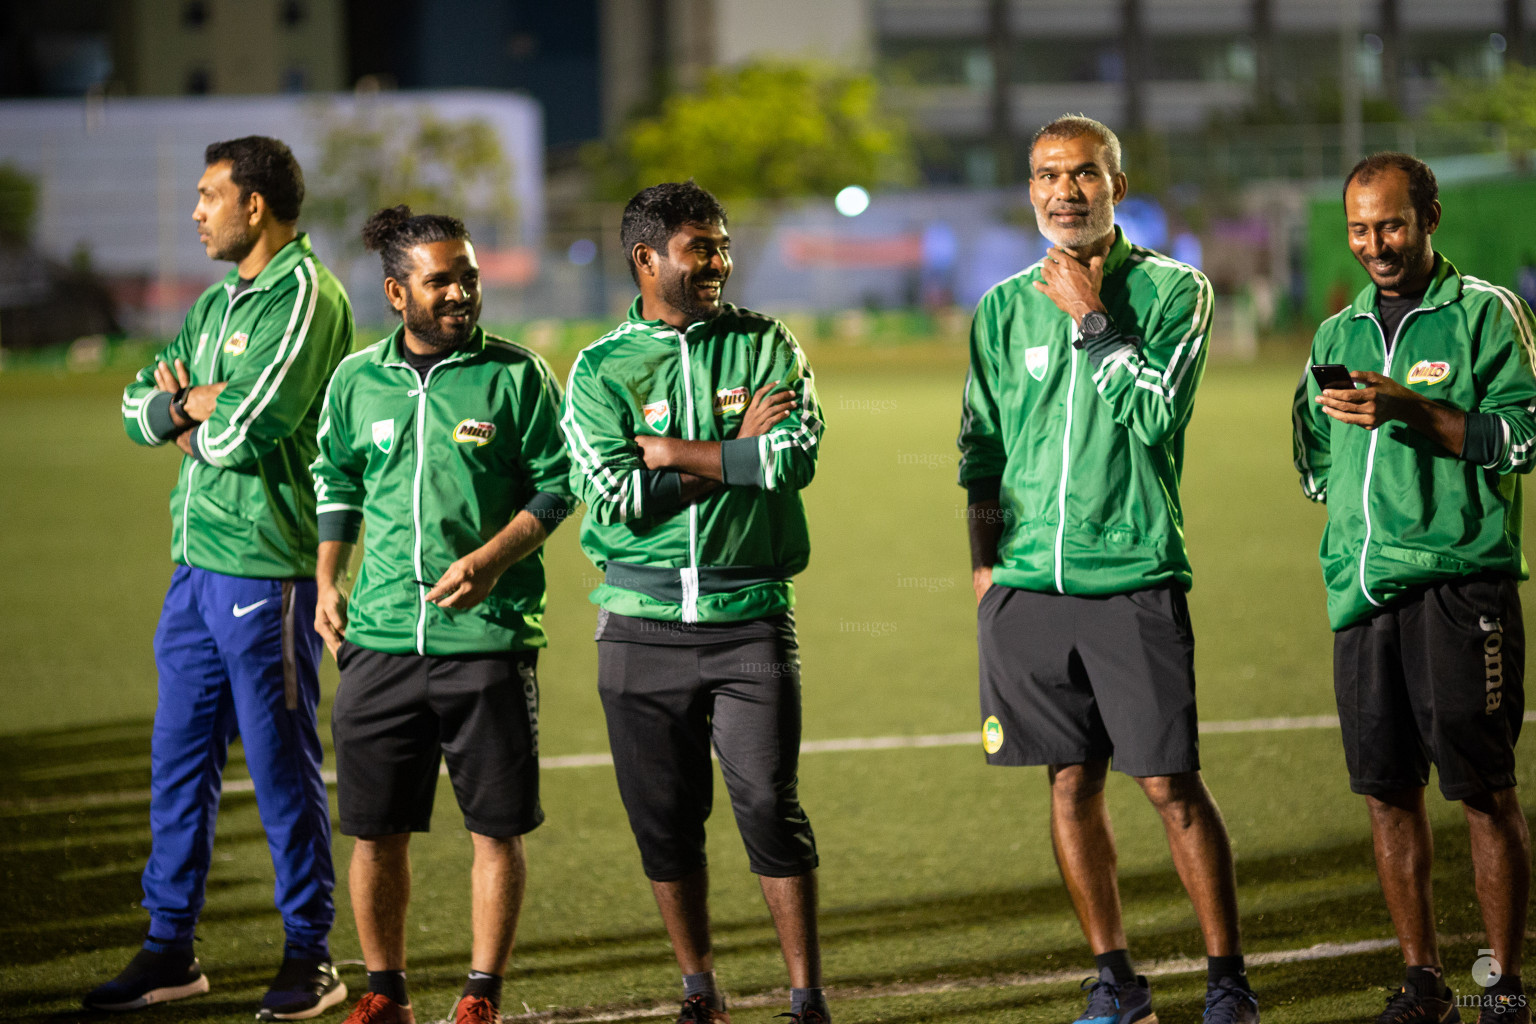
1072, 126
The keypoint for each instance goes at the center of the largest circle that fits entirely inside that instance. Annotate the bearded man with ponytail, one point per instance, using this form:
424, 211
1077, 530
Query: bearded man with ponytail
445, 442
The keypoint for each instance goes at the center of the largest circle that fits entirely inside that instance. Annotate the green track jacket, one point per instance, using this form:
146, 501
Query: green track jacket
1084, 452
435, 469
244, 506
728, 556
1403, 511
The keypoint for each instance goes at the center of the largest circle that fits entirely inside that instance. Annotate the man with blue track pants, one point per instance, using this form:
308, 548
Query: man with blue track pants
239, 392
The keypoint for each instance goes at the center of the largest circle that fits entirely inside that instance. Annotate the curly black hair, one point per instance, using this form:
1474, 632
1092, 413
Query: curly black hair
264, 165
654, 215
394, 230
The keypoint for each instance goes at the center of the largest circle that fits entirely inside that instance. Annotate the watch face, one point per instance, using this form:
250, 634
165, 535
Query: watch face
1093, 324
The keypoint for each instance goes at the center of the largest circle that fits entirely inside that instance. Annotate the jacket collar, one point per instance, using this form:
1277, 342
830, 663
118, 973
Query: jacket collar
1444, 288
698, 327
392, 352
277, 268
1118, 252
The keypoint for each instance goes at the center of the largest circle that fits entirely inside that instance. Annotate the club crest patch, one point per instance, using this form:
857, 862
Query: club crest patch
478, 431
992, 735
384, 435
1426, 372
235, 343
730, 400
658, 416
1035, 360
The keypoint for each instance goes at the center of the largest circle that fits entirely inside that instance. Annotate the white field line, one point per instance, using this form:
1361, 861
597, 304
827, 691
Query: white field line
856, 743
850, 993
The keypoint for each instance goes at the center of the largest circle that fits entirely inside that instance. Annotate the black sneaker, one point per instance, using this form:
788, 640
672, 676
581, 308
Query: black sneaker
1407, 1006
1229, 1002
150, 978
696, 1010
1505, 1008
809, 1015
302, 989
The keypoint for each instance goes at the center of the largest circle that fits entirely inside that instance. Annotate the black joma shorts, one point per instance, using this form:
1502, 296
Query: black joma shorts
665, 703
398, 716
1436, 676
1065, 680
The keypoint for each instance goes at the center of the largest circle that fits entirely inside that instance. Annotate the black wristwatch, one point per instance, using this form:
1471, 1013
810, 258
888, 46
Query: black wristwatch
1092, 325
179, 404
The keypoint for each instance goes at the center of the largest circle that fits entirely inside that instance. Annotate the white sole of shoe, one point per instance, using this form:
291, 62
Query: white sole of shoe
159, 995
327, 1001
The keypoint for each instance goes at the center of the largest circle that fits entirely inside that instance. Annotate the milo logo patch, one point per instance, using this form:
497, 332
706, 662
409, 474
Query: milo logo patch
478, 431
730, 400
1427, 372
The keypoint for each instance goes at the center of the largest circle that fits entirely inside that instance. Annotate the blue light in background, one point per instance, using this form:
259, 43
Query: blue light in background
1143, 220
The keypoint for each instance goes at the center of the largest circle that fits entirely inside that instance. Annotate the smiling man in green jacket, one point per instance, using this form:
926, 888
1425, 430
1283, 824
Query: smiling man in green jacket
692, 428
1419, 464
1083, 376
444, 442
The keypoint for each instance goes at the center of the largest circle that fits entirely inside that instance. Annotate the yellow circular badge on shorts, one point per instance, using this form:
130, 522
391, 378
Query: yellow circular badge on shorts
992, 735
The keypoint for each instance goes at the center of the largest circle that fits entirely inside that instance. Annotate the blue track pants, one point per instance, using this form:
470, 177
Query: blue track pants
238, 656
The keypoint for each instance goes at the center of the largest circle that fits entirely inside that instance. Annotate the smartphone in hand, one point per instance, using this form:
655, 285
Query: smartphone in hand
1333, 377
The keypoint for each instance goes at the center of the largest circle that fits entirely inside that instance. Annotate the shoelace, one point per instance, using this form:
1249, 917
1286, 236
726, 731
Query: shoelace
1103, 997
1407, 1005
476, 1010
296, 975
369, 1009
1223, 1003
695, 1009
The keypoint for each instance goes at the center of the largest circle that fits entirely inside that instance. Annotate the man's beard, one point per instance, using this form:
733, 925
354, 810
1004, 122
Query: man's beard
678, 292
1407, 267
1100, 222
233, 246
424, 326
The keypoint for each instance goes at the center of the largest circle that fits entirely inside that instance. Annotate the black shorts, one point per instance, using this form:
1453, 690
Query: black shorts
664, 704
397, 716
1436, 676
1068, 679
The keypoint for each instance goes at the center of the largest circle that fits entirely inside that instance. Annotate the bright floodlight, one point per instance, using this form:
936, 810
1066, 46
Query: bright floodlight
852, 201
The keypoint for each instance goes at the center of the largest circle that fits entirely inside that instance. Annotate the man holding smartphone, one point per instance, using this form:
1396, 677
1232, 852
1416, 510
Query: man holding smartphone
1422, 560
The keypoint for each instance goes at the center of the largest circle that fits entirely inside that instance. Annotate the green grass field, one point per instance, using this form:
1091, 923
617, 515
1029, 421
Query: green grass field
940, 896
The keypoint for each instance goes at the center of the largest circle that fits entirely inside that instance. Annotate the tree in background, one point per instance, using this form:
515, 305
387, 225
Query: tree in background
763, 131
18, 205
372, 159
1508, 101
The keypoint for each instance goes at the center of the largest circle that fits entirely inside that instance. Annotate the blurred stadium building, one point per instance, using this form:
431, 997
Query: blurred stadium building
1238, 117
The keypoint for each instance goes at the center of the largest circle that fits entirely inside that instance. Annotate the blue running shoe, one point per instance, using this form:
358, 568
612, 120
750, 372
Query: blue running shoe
150, 978
1113, 1003
1227, 1002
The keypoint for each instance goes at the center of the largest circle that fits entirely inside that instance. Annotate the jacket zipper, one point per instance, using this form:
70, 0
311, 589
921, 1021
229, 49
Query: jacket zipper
1066, 462
420, 394
690, 575
1370, 457
186, 503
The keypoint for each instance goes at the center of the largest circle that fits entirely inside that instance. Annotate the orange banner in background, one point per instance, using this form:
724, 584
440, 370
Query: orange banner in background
818, 249
507, 266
